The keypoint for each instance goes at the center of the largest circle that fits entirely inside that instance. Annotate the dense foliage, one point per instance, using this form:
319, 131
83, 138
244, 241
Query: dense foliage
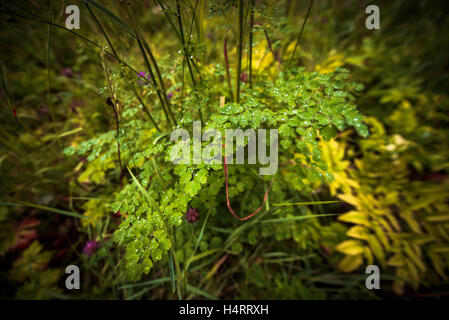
86, 175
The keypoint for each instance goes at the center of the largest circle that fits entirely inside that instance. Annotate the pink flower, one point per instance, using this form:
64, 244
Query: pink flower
143, 74
192, 215
67, 72
91, 247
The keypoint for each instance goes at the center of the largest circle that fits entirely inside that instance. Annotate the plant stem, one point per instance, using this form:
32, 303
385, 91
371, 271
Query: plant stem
239, 49
164, 10
183, 42
184, 60
159, 76
300, 33
102, 29
191, 24
228, 73
186, 53
145, 108
116, 56
150, 70
50, 101
50, 17
251, 25
116, 113
275, 56
155, 65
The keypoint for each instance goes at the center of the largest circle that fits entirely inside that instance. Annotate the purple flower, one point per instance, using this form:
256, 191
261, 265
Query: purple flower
90, 247
169, 95
67, 72
143, 74
192, 215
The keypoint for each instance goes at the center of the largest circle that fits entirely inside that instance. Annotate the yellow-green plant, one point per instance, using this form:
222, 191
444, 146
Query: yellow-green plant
397, 221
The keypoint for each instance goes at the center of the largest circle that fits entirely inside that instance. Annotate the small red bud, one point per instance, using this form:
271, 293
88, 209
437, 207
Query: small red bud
192, 215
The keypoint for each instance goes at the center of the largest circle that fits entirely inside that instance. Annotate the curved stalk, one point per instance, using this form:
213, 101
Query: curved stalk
239, 49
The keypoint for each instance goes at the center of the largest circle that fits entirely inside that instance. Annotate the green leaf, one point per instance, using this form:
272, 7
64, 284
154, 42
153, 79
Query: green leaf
358, 232
200, 292
350, 263
356, 218
296, 218
307, 203
111, 15
144, 284
329, 132
350, 247
200, 256
192, 187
